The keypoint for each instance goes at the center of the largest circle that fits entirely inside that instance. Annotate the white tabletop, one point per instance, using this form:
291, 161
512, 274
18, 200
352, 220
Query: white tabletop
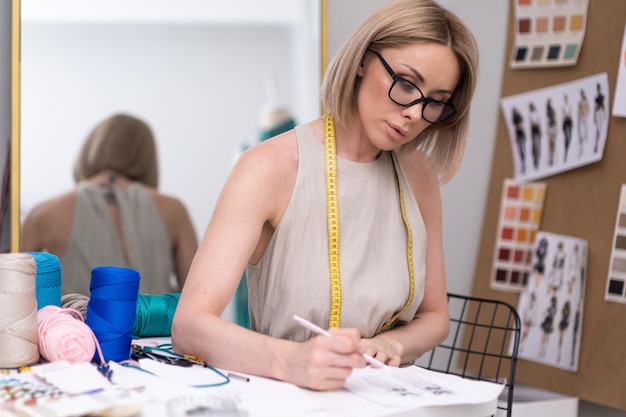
262, 397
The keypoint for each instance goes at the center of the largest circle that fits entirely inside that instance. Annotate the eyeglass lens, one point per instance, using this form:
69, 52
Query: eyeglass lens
405, 93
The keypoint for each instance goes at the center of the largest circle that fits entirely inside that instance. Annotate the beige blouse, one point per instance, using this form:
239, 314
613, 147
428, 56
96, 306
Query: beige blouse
292, 276
94, 241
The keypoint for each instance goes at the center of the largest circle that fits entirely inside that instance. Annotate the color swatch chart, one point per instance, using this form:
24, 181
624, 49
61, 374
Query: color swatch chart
548, 33
616, 282
520, 216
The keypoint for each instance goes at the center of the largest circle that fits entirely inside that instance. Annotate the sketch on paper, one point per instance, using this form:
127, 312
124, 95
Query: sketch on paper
551, 305
557, 128
413, 385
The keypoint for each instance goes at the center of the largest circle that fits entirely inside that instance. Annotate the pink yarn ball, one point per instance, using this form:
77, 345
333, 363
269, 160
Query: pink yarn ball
63, 335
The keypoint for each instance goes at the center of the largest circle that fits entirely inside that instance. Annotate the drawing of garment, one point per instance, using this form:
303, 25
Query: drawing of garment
548, 322
564, 323
573, 270
583, 118
551, 115
528, 316
599, 116
535, 134
557, 272
540, 253
567, 126
520, 138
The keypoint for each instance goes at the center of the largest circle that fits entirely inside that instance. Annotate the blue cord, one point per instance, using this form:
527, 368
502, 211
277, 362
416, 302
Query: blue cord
166, 348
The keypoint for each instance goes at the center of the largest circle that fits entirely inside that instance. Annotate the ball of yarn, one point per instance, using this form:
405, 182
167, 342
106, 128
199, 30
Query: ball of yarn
19, 344
63, 335
155, 314
48, 279
76, 302
112, 308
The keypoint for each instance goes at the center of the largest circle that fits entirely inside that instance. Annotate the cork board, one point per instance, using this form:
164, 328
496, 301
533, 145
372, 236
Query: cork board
581, 203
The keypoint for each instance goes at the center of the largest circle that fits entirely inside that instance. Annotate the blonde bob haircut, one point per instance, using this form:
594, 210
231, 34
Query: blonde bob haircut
394, 25
123, 144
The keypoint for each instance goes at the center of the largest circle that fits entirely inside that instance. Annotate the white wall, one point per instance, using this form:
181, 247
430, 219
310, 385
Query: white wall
200, 86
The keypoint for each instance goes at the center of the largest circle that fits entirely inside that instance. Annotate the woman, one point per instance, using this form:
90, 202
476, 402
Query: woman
115, 215
397, 95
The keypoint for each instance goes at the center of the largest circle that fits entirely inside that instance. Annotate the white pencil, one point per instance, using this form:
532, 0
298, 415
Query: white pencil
318, 330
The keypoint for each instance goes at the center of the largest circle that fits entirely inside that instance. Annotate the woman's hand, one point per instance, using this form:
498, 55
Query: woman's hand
385, 349
326, 362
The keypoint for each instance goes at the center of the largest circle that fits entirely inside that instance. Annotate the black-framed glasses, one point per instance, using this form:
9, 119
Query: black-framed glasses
404, 93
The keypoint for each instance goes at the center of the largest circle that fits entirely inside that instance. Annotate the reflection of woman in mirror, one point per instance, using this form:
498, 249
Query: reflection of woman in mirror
397, 94
599, 114
115, 215
551, 116
520, 137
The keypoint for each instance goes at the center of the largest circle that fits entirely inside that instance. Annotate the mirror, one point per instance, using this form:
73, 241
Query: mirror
9, 120
199, 72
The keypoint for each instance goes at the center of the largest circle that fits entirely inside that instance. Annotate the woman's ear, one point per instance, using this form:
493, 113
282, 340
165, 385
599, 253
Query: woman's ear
361, 69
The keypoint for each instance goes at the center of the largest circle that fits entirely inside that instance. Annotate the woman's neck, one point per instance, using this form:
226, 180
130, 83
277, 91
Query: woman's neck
108, 177
352, 143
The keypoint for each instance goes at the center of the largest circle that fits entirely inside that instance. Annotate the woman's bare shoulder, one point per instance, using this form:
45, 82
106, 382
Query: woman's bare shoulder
424, 179
48, 224
274, 160
53, 208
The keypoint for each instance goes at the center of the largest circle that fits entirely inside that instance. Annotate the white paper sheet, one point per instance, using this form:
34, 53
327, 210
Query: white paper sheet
415, 386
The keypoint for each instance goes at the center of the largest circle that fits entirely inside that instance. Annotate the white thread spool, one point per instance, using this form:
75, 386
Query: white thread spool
19, 342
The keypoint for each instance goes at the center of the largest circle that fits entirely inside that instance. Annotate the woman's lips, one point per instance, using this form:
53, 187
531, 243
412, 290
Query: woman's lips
396, 132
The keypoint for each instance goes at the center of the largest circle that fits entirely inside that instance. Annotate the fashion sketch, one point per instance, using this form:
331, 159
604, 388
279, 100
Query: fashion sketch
567, 125
599, 115
555, 279
535, 133
520, 137
539, 267
558, 127
551, 117
563, 325
528, 318
547, 325
551, 305
583, 121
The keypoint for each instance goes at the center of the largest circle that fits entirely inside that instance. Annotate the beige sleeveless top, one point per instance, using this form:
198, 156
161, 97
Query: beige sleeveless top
292, 276
94, 242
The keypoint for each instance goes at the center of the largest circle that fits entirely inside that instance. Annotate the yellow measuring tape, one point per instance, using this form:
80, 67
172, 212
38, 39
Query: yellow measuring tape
332, 212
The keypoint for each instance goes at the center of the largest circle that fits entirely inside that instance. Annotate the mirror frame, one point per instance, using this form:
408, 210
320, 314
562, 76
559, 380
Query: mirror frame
15, 125
15, 107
